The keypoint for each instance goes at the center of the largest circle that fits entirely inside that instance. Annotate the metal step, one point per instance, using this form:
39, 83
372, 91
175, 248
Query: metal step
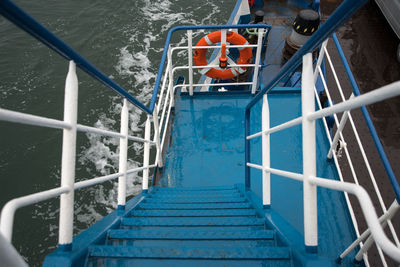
193, 213
183, 234
200, 188
194, 195
242, 253
194, 206
137, 262
195, 200
193, 221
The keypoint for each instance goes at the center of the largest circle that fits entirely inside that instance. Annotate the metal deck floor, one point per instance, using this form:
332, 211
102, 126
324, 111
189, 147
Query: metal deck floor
208, 149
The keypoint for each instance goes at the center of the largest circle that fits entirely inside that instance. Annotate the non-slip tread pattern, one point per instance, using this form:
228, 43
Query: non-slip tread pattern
190, 252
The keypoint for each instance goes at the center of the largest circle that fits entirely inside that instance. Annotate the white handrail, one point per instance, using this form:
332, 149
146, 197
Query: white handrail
362, 196
19, 117
8, 211
309, 115
364, 156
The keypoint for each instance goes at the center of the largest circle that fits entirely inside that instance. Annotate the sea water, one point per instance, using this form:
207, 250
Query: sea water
125, 40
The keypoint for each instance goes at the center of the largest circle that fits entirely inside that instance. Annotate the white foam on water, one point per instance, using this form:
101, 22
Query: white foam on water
137, 66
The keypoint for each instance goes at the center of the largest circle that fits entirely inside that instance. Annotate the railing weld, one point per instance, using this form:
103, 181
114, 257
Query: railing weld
23, 118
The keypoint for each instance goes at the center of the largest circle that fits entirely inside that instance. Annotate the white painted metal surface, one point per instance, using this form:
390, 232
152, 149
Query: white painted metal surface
190, 58
257, 60
8, 211
68, 157
309, 154
146, 155
266, 183
123, 154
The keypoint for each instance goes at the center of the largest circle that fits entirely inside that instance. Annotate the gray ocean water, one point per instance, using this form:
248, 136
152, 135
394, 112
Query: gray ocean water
125, 40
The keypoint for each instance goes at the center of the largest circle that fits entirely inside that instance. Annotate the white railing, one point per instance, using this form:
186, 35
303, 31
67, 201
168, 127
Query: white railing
309, 179
171, 69
68, 185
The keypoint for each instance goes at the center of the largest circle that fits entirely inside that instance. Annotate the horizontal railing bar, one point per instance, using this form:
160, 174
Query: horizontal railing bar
140, 169
291, 175
212, 84
255, 166
385, 92
211, 46
8, 211
94, 130
27, 23
180, 28
280, 127
94, 181
370, 125
102, 179
214, 66
23, 118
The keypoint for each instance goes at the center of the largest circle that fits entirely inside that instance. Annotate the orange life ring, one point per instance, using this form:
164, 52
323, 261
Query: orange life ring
199, 56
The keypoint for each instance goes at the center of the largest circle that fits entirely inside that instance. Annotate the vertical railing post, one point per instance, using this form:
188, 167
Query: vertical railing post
123, 156
266, 154
257, 63
190, 56
320, 59
66, 221
247, 158
146, 156
171, 77
159, 160
309, 157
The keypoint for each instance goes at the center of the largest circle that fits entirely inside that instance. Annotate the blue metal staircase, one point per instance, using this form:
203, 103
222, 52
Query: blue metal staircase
213, 226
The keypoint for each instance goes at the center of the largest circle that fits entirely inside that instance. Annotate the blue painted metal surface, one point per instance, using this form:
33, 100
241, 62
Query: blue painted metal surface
195, 200
17, 16
189, 253
193, 221
193, 213
191, 206
178, 234
370, 125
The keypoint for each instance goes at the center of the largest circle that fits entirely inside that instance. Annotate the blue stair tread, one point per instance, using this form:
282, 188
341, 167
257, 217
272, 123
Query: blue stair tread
195, 200
124, 262
182, 234
193, 213
194, 206
190, 252
198, 188
193, 221
195, 195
